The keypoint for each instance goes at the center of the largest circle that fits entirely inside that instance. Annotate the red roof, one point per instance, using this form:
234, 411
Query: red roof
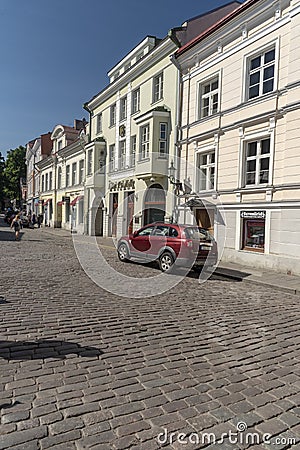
215, 27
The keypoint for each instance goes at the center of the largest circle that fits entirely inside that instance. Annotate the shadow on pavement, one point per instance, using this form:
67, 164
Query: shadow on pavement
44, 348
9, 235
226, 275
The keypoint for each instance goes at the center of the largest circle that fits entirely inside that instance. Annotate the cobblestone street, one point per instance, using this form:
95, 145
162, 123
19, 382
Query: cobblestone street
84, 369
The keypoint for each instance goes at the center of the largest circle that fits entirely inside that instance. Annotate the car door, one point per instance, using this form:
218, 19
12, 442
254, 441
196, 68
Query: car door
140, 242
158, 240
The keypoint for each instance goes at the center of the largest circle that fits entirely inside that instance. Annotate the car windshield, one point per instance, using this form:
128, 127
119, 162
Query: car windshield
198, 233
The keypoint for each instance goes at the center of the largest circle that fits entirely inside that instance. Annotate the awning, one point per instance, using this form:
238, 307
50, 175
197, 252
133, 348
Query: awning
198, 203
60, 203
76, 199
47, 201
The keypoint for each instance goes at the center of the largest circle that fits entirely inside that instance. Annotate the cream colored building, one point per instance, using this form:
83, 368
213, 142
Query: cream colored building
133, 130
240, 122
62, 178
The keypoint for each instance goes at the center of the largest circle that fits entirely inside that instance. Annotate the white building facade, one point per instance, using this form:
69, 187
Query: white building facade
240, 121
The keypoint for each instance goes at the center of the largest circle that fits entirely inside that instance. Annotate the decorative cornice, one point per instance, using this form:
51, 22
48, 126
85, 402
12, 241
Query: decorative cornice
162, 50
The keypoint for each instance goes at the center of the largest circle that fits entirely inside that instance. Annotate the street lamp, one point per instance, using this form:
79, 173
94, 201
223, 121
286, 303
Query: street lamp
172, 179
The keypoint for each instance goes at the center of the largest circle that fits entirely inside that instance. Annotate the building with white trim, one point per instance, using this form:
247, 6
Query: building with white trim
240, 122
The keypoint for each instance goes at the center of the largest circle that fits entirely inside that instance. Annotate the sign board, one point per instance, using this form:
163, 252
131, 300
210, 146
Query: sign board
253, 214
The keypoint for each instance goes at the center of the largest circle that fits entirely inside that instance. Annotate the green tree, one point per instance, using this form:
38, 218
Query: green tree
15, 169
2, 167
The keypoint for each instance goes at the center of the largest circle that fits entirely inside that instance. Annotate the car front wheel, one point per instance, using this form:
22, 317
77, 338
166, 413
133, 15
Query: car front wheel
123, 253
166, 261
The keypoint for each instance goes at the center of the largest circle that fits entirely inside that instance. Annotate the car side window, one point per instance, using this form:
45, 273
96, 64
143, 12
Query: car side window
173, 232
161, 230
146, 231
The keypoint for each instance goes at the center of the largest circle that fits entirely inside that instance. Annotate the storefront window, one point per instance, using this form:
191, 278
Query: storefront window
254, 235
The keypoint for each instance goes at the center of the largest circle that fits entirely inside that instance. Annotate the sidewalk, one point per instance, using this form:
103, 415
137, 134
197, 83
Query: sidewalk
276, 280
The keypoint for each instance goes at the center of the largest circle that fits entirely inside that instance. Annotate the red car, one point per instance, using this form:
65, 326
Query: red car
184, 245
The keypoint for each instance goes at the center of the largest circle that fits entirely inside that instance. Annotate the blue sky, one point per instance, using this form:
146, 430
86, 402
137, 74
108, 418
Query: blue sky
55, 55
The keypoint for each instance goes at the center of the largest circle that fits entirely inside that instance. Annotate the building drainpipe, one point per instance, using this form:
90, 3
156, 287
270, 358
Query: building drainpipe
178, 121
87, 200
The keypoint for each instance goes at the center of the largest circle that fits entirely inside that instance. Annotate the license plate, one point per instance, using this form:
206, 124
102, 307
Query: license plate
206, 247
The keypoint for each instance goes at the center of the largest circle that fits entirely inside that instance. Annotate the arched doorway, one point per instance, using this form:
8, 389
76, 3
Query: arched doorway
154, 204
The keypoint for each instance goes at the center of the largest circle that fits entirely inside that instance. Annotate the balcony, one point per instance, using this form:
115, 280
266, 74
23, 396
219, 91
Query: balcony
151, 165
96, 180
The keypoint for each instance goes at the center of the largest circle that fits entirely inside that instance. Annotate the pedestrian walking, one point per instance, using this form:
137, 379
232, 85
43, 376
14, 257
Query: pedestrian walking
33, 219
16, 224
39, 220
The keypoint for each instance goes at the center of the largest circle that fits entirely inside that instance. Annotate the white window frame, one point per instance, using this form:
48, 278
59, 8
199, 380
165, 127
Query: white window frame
89, 162
158, 87
123, 108
144, 142
133, 142
99, 123
113, 114
245, 139
163, 140
257, 158
59, 177
246, 78
112, 157
209, 95
74, 173
81, 171
122, 154
135, 100
207, 150
68, 171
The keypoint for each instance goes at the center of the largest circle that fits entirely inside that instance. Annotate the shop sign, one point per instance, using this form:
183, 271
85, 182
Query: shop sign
253, 214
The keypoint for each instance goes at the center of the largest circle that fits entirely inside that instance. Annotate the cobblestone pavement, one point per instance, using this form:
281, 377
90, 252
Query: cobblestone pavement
83, 369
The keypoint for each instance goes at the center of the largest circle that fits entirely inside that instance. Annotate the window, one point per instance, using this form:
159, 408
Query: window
205, 171
163, 142
158, 84
209, 98
261, 72
59, 178
50, 181
112, 163
122, 154
90, 162
146, 231
113, 115
254, 235
161, 230
99, 123
74, 173
46, 182
67, 175
43, 183
132, 150
81, 170
257, 162
123, 108
144, 148
59, 145
135, 101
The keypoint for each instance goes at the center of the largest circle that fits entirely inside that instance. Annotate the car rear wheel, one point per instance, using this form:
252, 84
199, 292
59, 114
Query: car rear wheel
166, 261
123, 253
